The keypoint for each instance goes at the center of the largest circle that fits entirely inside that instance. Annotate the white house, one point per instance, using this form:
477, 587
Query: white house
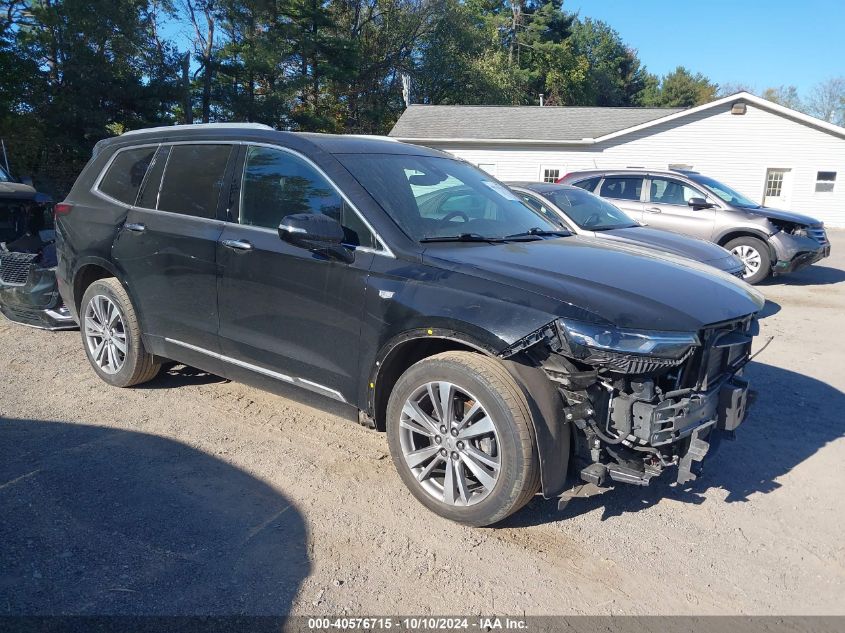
771, 153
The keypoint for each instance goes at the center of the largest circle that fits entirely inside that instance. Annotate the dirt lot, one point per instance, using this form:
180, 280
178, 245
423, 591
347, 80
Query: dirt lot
196, 495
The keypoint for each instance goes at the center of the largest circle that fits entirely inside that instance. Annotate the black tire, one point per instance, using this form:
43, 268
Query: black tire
139, 366
505, 404
761, 248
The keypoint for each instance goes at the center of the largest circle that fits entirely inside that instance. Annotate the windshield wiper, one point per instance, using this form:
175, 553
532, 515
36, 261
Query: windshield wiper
540, 233
463, 237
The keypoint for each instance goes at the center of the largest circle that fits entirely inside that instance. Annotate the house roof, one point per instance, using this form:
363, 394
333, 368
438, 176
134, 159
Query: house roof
548, 125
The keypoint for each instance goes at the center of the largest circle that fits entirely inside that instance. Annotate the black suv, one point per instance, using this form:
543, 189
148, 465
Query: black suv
497, 351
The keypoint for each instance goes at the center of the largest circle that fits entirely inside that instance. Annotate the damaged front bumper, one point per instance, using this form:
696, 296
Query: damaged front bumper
794, 252
634, 416
29, 294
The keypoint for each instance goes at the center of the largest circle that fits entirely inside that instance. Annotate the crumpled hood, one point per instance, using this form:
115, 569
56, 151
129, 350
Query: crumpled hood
19, 191
787, 216
699, 250
615, 283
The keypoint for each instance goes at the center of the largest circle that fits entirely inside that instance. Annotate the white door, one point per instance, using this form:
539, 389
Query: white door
778, 188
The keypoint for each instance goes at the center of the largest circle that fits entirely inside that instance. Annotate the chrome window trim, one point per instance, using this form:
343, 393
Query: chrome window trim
95, 188
293, 380
384, 251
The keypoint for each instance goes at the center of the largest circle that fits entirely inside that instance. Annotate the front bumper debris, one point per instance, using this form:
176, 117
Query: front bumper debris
795, 252
29, 295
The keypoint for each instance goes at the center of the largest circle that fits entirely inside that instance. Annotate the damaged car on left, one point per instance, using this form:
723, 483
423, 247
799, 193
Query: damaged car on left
28, 291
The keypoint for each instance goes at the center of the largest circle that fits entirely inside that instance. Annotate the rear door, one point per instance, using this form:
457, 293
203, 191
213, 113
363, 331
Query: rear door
666, 208
625, 191
286, 312
167, 247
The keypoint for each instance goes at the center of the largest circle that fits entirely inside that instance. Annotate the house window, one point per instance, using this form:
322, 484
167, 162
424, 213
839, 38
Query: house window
825, 181
551, 175
774, 183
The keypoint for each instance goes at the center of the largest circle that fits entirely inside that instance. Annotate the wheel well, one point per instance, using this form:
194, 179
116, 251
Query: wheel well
398, 360
735, 234
85, 276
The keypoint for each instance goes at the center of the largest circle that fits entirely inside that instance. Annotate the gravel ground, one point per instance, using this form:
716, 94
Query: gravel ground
194, 495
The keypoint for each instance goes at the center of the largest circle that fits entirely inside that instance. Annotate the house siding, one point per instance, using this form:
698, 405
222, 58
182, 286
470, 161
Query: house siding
737, 149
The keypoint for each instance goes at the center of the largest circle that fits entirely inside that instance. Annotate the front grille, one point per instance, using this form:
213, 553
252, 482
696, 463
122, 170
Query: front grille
14, 267
724, 347
818, 233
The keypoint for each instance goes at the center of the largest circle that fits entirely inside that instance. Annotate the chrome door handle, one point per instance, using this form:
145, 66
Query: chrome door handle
238, 245
135, 227
653, 210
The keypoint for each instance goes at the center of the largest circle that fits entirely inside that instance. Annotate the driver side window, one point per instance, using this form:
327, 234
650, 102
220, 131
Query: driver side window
669, 191
277, 184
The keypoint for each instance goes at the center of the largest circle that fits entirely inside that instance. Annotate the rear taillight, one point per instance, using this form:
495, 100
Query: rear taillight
62, 208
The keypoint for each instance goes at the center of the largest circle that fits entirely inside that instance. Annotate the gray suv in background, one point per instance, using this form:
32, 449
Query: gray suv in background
768, 241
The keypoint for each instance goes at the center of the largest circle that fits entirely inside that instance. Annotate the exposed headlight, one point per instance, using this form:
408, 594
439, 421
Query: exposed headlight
800, 231
671, 346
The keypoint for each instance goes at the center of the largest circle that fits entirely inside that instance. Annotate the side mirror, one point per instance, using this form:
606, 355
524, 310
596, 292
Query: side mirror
315, 232
699, 203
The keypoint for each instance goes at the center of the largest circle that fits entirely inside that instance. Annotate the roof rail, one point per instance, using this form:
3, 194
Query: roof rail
200, 126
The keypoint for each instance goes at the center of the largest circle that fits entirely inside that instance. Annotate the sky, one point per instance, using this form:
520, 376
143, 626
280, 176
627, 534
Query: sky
759, 43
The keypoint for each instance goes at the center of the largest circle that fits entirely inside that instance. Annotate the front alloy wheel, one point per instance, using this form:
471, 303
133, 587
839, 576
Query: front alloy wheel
450, 443
755, 257
462, 438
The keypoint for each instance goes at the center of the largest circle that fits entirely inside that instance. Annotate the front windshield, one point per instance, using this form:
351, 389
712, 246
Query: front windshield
431, 197
589, 211
725, 193
4, 177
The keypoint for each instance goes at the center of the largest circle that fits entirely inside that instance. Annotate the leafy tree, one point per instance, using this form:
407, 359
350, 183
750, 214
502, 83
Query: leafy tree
615, 76
681, 88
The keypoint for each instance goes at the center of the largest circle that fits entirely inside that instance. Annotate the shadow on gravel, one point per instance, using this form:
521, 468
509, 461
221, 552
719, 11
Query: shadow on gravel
793, 418
105, 521
814, 275
176, 375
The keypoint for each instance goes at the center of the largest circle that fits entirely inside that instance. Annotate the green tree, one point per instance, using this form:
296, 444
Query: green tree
681, 88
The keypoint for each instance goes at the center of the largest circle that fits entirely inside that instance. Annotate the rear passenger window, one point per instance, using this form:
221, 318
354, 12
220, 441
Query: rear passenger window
193, 179
277, 184
622, 188
126, 173
589, 184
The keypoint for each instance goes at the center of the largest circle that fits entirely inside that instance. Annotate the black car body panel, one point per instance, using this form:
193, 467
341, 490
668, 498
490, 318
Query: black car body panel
230, 297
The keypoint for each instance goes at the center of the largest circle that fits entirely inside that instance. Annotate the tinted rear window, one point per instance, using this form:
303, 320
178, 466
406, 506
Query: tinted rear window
193, 179
589, 184
622, 188
126, 173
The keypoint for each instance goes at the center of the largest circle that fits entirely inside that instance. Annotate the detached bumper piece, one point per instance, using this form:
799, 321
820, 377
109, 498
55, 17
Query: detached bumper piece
29, 294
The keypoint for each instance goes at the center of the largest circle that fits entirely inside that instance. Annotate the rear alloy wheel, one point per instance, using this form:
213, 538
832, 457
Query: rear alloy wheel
461, 438
755, 257
111, 336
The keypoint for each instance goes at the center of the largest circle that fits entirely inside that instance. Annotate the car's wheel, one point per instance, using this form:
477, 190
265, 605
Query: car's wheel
461, 437
111, 336
754, 255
